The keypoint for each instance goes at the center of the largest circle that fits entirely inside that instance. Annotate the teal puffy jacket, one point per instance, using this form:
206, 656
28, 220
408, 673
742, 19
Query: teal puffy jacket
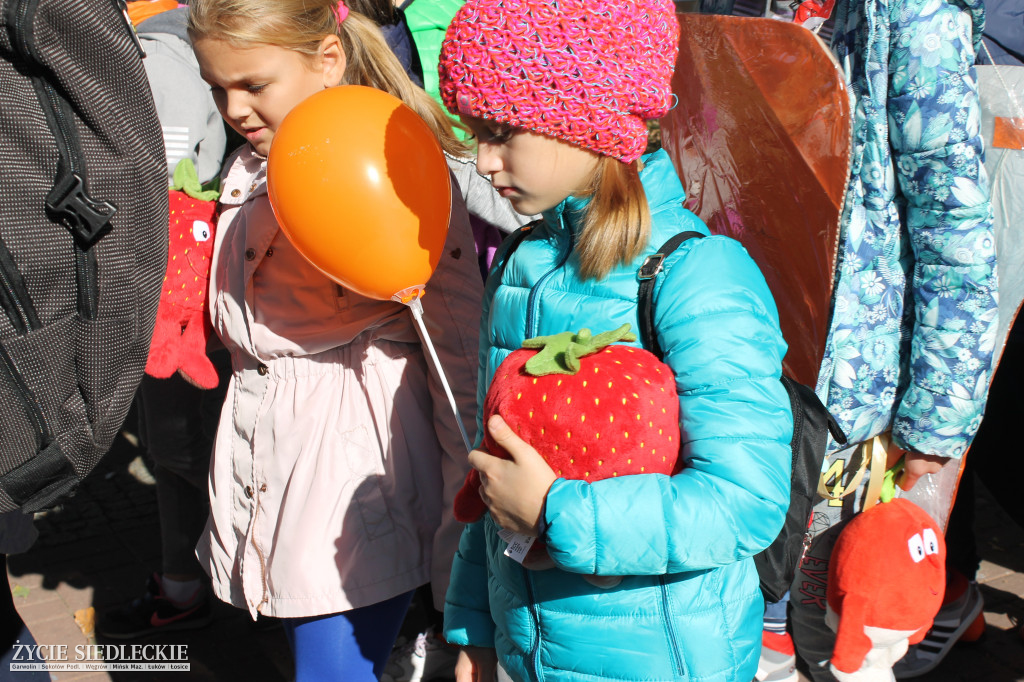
689, 607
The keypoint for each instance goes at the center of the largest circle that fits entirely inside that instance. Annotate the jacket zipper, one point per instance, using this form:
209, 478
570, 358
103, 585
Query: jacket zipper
531, 303
19, 12
677, 658
535, 615
32, 409
263, 579
21, 312
259, 552
121, 7
23, 30
531, 321
68, 198
69, 190
14, 295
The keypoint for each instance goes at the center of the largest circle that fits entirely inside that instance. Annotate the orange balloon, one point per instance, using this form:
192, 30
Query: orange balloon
360, 186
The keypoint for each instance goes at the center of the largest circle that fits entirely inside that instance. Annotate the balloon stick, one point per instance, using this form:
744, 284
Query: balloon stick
417, 313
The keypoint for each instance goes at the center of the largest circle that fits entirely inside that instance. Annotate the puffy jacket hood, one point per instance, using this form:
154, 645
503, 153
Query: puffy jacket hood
173, 22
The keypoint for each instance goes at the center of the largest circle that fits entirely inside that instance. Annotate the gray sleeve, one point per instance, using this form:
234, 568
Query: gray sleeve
212, 146
481, 200
192, 126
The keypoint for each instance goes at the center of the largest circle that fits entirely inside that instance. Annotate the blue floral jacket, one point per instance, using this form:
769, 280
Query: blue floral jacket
914, 316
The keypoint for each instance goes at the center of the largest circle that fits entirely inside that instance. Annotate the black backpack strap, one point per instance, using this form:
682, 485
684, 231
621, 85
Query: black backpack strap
647, 273
513, 240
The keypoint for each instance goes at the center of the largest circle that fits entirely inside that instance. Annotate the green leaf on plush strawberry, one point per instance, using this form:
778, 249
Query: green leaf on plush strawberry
561, 353
186, 179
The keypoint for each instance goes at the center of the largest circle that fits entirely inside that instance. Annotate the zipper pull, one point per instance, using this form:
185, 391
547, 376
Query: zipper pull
806, 546
123, 6
806, 542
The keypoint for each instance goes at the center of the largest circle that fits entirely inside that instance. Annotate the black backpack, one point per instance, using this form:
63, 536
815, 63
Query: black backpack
83, 239
812, 423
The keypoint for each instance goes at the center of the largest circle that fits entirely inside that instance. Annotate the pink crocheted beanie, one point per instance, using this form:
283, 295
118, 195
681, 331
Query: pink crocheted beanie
589, 72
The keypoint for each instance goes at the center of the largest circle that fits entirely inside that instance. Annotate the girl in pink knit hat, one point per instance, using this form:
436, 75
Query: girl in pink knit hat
557, 95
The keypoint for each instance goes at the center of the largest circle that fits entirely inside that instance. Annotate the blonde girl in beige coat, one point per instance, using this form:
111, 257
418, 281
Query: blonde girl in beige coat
337, 454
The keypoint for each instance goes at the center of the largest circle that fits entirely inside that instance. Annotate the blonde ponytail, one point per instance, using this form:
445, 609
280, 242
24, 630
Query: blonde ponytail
617, 225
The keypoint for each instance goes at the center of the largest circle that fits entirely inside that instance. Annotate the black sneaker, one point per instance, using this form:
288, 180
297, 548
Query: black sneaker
962, 618
153, 612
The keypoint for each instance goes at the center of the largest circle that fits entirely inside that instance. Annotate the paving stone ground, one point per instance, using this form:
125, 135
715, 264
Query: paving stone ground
97, 549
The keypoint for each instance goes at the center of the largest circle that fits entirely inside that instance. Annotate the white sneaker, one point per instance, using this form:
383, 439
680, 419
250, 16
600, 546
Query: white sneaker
426, 658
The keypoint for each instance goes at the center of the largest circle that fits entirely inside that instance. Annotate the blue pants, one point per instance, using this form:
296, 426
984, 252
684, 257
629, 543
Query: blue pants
352, 646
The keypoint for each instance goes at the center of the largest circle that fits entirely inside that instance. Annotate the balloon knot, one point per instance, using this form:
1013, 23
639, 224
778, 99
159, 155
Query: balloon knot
409, 294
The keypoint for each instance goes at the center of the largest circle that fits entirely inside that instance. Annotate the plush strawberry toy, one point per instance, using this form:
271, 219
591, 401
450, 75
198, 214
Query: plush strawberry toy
182, 326
886, 579
591, 409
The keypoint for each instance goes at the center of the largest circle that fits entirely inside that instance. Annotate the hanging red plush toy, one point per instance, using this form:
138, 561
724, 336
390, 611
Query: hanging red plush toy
886, 578
592, 410
182, 326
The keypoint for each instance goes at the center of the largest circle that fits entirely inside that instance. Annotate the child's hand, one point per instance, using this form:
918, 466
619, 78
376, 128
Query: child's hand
476, 664
513, 490
917, 465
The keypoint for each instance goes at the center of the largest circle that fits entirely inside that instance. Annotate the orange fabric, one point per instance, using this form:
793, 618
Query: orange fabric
1008, 133
140, 10
734, 79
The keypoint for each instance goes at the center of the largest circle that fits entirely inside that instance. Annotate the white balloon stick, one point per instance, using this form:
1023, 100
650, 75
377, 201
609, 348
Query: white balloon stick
417, 313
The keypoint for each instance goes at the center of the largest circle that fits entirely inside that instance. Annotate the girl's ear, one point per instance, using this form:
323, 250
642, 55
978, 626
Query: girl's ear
332, 60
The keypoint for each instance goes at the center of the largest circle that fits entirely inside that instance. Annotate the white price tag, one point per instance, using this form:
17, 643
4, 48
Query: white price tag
518, 545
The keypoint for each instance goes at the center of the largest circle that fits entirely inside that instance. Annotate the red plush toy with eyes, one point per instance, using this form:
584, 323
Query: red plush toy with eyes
886, 578
182, 326
593, 410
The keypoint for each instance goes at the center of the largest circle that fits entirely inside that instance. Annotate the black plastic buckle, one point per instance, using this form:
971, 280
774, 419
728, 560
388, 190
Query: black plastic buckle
651, 266
84, 217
